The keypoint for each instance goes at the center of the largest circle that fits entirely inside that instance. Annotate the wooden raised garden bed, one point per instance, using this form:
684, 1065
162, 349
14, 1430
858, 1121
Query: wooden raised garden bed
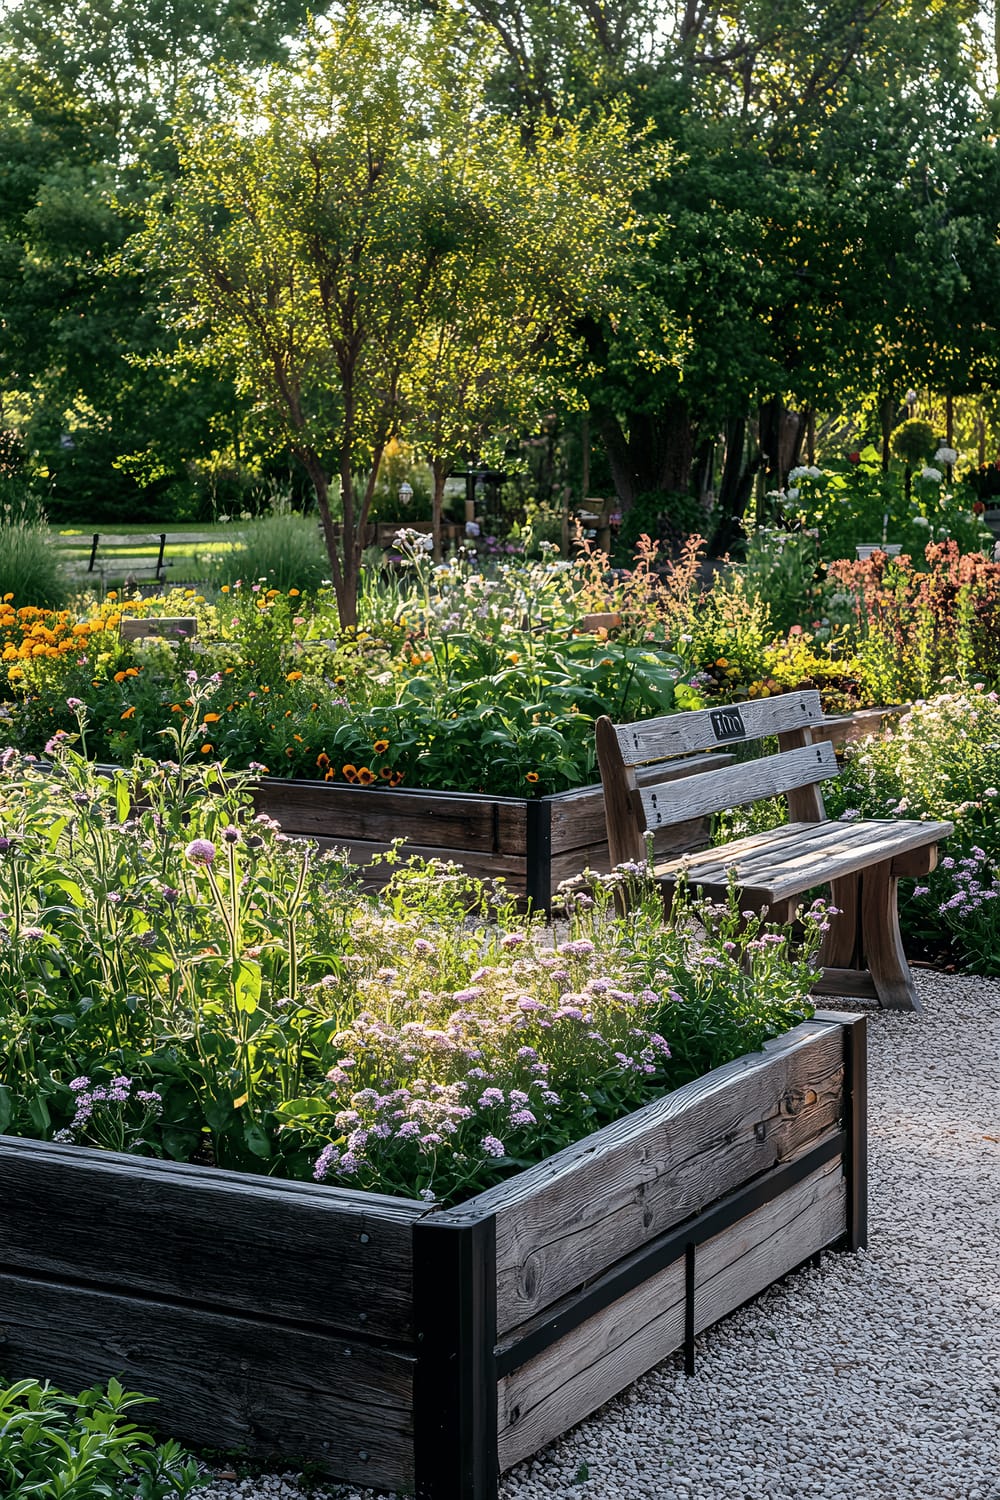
533, 842
398, 1346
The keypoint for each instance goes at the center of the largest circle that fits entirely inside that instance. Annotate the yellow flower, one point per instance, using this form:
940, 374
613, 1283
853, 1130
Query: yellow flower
212, 718
293, 677
380, 747
531, 776
129, 712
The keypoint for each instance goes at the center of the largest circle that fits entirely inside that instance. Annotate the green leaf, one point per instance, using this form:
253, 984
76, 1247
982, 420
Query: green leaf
246, 985
6, 1107
38, 1112
257, 1140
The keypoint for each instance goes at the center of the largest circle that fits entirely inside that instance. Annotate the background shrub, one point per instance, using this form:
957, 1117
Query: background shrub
286, 549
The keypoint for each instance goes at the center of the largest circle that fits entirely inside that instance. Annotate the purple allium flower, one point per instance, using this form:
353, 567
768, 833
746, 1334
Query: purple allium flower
200, 852
493, 1147
6, 845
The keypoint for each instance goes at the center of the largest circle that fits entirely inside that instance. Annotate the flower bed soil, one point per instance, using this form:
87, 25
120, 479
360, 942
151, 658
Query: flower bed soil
400, 1346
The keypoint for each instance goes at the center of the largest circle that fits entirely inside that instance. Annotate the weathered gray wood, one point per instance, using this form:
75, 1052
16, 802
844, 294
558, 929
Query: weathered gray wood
569, 1218
315, 1254
799, 856
707, 728
598, 1359
883, 942
578, 816
856, 983
169, 627
452, 820
223, 1381
747, 781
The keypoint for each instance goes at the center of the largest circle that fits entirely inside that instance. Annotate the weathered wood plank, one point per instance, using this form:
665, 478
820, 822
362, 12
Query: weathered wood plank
438, 819
168, 627
805, 855
222, 1381
318, 1255
598, 1359
571, 1217
856, 983
747, 781
578, 816
707, 728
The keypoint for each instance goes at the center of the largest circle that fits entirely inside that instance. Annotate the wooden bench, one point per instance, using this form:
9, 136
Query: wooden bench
861, 862
101, 555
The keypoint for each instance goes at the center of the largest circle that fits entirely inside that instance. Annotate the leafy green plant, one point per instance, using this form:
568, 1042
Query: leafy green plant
85, 1447
941, 762
284, 551
178, 979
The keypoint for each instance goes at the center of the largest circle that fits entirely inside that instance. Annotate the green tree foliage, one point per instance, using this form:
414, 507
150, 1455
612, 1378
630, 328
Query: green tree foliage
86, 94
356, 255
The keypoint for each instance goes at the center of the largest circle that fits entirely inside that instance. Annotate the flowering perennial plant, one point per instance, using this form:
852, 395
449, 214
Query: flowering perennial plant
177, 978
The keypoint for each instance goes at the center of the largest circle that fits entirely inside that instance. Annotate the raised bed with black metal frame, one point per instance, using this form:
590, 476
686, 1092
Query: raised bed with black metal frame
408, 1348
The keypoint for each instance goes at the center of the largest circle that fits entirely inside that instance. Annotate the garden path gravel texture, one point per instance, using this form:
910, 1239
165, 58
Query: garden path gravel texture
871, 1377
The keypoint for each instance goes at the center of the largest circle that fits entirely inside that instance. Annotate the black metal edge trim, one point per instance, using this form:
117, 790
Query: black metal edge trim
455, 1392
538, 854
655, 1256
856, 1089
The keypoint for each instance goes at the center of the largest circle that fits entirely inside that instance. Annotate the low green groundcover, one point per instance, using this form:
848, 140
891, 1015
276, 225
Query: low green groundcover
179, 979
85, 1447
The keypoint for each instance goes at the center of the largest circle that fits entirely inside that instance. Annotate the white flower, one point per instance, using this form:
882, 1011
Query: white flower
933, 474
804, 471
946, 456
793, 493
921, 521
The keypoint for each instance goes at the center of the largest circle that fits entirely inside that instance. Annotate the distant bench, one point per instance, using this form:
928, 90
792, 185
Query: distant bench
139, 556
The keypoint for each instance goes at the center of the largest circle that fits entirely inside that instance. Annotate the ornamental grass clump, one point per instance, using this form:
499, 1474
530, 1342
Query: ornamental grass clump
179, 979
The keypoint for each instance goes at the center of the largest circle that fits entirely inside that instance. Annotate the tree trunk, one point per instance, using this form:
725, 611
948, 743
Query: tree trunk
886, 412
655, 456
439, 468
735, 488
781, 434
310, 461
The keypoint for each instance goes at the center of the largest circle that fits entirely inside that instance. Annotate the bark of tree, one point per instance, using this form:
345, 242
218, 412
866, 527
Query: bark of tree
654, 456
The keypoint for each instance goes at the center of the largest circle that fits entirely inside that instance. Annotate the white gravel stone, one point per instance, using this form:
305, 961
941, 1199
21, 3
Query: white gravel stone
872, 1377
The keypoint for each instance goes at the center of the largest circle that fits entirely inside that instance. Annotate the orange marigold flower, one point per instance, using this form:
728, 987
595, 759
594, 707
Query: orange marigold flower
129, 712
349, 771
531, 776
212, 718
293, 677
323, 761
366, 777
293, 593
395, 778
330, 774
380, 747
385, 773
207, 749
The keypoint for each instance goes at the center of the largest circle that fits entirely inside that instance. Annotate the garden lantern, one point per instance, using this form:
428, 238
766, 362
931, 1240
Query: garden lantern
405, 494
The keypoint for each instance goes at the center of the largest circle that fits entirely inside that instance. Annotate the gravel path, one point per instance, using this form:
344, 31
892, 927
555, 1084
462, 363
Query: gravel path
873, 1377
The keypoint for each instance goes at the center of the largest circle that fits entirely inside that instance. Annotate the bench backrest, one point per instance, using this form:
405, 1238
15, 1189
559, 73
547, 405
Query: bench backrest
634, 803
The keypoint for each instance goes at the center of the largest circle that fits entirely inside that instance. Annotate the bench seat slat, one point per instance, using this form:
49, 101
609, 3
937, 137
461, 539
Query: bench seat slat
802, 855
748, 781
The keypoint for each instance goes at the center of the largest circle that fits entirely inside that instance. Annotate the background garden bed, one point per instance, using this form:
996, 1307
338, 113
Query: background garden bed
400, 1346
532, 842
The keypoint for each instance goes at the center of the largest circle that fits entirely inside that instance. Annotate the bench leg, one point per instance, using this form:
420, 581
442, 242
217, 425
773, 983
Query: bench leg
840, 944
881, 940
